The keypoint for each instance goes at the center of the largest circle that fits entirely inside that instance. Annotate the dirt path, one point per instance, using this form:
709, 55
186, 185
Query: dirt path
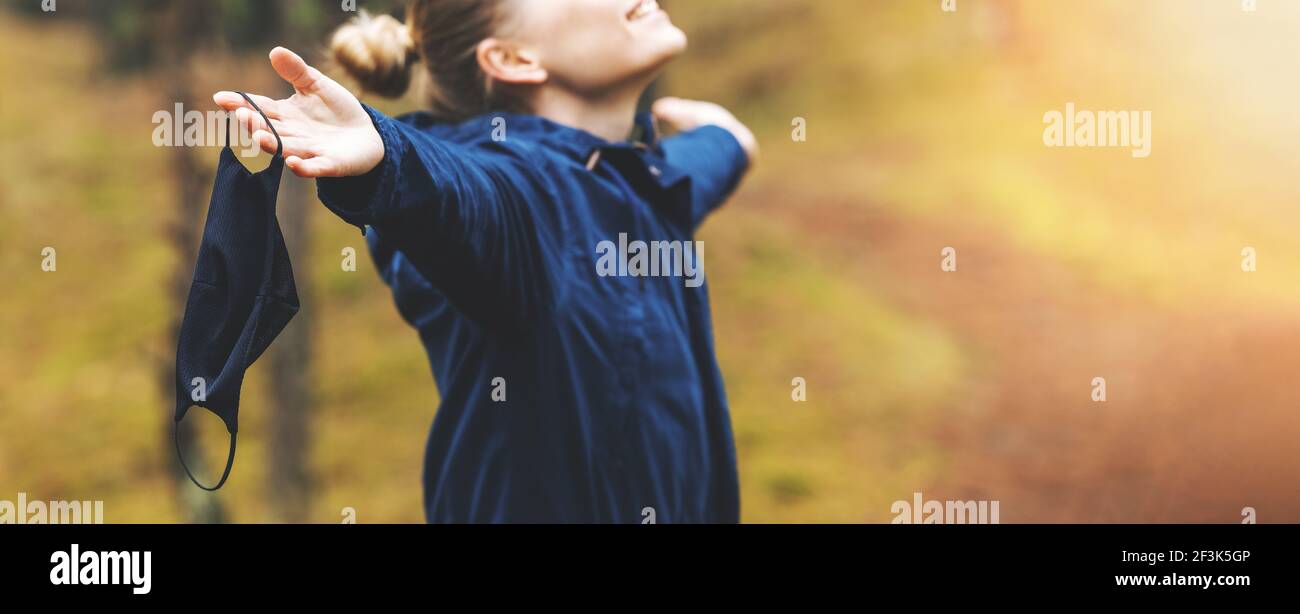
1202, 415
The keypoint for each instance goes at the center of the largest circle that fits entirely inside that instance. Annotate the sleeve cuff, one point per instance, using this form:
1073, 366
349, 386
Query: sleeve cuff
737, 159
362, 199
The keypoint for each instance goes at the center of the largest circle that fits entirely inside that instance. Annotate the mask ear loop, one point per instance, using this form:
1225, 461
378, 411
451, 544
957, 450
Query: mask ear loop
279, 144
230, 460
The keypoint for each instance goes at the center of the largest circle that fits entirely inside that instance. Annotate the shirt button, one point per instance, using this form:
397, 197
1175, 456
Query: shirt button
654, 170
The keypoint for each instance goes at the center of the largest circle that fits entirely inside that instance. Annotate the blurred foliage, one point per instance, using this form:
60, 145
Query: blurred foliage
123, 27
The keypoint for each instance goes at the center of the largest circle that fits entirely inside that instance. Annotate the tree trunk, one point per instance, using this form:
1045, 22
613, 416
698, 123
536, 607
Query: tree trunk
179, 27
289, 358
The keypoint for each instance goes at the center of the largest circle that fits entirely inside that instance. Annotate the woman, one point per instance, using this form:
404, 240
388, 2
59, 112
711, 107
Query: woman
568, 394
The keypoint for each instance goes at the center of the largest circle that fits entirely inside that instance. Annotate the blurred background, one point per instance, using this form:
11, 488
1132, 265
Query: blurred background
924, 131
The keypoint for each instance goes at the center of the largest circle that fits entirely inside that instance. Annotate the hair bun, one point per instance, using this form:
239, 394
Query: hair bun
377, 52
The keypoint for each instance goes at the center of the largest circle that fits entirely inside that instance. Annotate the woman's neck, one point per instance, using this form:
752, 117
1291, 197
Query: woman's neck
610, 117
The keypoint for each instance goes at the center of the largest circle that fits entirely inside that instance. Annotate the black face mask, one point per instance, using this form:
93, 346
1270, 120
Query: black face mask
243, 293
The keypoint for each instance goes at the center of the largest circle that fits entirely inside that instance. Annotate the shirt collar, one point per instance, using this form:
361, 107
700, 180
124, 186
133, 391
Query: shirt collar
574, 141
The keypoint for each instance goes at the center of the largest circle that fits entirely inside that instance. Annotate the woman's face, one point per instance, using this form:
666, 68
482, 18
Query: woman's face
594, 46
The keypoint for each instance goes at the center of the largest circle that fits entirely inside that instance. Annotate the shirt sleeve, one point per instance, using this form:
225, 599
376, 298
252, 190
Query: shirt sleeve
715, 162
479, 223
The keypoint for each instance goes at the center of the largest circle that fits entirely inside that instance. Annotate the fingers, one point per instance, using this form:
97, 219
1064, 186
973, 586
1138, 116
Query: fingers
266, 141
669, 108
232, 101
312, 168
666, 103
250, 121
292, 68
252, 124
293, 146
678, 113
229, 100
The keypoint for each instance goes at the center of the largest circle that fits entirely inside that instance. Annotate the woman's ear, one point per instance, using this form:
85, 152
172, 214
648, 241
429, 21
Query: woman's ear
507, 63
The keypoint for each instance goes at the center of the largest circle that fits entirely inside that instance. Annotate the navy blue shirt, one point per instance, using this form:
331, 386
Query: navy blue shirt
487, 233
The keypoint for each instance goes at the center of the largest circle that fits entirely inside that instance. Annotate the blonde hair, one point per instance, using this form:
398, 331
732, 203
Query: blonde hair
380, 53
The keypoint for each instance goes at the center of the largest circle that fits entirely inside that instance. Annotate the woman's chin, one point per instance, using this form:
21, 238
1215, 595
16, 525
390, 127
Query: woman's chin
675, 40
667, 46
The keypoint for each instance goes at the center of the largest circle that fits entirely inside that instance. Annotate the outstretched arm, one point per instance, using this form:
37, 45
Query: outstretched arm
480, 225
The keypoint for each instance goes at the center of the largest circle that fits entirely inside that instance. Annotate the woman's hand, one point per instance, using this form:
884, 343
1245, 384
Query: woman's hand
684, 115
325, 131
